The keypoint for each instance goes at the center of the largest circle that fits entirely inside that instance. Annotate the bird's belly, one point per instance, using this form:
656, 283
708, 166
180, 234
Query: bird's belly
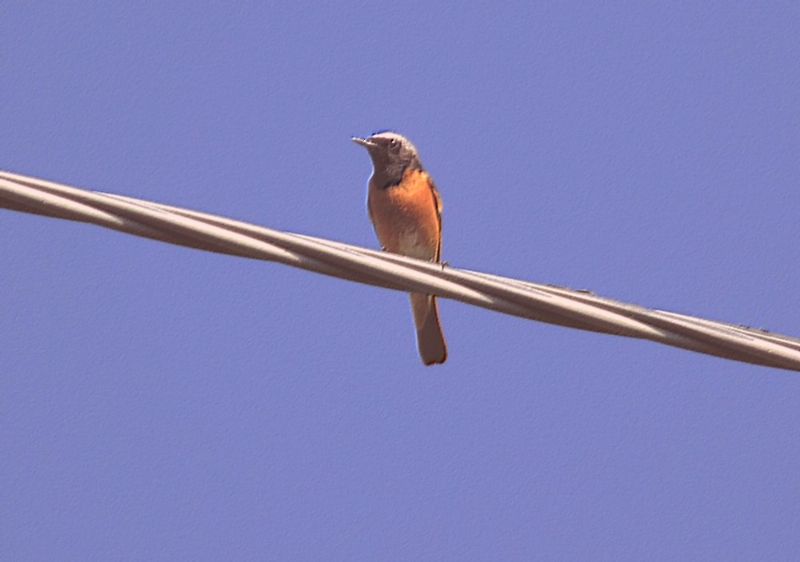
408, 235
412, 243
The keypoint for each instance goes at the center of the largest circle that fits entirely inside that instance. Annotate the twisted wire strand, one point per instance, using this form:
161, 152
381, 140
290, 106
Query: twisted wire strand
545, 303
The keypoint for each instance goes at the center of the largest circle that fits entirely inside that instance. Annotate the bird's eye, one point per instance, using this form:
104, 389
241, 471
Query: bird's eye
394, 144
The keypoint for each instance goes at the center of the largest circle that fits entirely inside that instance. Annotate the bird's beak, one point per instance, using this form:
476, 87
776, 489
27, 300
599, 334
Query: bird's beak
366, 143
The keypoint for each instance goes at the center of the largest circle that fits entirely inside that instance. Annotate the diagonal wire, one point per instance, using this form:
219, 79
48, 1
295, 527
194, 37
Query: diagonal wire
544, 303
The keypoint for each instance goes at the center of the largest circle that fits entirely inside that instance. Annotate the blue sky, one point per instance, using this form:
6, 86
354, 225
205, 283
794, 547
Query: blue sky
161, 403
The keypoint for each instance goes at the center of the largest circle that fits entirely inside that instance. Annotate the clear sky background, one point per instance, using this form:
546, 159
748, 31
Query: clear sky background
160, 403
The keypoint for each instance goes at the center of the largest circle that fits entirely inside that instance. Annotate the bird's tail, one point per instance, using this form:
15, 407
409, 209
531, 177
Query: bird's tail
430, 339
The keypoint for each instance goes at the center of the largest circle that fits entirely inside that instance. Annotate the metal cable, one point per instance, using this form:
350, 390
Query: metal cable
545, 303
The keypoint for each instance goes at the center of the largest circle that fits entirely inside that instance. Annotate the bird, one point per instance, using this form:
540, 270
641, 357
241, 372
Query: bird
406, 212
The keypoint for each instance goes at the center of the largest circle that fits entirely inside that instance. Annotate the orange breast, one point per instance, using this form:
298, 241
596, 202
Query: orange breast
407, 216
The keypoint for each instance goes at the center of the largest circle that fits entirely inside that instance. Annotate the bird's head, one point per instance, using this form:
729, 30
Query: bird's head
392, 154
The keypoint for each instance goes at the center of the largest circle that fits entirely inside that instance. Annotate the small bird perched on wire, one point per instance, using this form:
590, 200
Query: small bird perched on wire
406, 211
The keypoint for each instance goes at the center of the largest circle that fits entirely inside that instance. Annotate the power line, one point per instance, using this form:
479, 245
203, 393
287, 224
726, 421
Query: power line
545, 303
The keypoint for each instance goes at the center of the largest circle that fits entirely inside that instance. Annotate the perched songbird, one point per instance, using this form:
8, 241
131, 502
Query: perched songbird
406, 211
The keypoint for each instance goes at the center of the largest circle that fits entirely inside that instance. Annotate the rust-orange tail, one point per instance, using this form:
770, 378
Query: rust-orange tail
430, 339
